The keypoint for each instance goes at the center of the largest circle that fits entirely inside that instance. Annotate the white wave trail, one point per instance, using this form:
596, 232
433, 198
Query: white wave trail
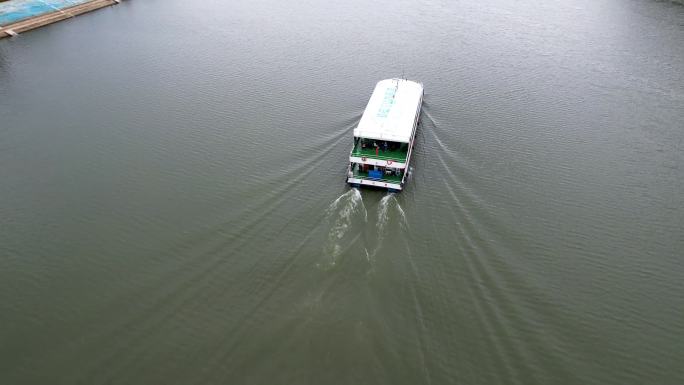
384, 214
402, 215
351, 199
340, 215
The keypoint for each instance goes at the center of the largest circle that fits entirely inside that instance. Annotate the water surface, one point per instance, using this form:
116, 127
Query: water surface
173, 207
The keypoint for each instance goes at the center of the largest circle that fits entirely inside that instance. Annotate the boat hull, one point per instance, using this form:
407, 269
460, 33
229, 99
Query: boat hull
373, 183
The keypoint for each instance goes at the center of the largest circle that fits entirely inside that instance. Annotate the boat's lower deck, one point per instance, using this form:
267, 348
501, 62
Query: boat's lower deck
383, 177
375, 176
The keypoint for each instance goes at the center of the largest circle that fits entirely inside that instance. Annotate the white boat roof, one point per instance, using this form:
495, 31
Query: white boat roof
391, 111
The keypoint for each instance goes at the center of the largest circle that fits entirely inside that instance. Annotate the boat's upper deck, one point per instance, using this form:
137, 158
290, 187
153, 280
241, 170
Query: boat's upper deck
391, 111
396, 152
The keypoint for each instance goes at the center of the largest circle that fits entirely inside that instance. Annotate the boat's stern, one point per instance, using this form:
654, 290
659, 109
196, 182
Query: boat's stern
357, 182
371, 179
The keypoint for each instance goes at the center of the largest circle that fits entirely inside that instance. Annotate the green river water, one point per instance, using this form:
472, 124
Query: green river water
173, 206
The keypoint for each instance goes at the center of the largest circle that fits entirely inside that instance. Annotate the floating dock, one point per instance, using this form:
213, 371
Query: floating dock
17, 16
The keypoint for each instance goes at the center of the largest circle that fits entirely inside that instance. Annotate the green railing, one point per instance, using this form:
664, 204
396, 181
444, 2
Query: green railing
397, 155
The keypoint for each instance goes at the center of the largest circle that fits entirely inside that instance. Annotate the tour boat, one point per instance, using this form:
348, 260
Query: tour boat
384, 138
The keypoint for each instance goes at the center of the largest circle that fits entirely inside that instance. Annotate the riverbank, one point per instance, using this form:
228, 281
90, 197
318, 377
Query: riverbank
58, 14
